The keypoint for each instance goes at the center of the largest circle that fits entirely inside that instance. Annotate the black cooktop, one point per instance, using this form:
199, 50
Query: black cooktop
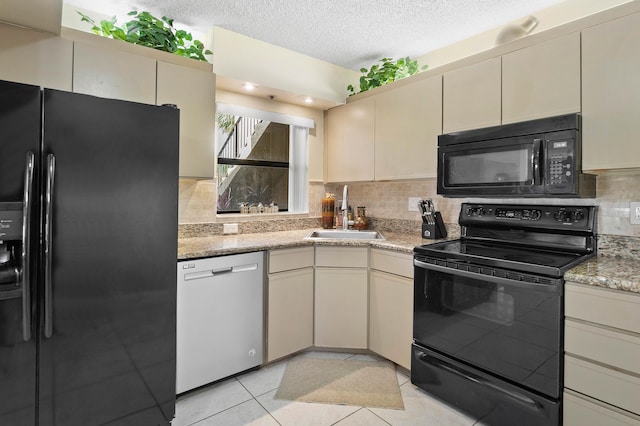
539, 239
525, 259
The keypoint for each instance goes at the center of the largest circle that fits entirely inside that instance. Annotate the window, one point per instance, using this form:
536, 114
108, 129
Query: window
262, 161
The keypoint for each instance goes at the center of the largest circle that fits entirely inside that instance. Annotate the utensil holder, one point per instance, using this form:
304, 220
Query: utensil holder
435, 230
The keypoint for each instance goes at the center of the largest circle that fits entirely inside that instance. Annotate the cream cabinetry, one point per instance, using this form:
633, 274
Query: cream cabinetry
542, 80
350, 138
34, 57
111, 73
193, 91
289, 301
408, 121
611, 94
471, 96
341, 297
602, 346
391, 305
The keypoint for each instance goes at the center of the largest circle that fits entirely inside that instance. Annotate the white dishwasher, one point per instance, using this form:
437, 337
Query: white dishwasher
219, 326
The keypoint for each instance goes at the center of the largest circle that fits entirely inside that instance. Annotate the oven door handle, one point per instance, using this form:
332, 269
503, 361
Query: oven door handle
523, 399
550, 288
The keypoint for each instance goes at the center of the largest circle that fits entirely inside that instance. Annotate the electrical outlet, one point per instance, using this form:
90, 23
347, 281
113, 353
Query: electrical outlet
229, 228
413, 204
634, 213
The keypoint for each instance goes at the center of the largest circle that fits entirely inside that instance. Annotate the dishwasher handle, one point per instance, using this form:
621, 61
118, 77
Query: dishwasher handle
218, 272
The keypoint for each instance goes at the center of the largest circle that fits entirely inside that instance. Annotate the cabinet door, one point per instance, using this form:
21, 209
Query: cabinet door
583, 411
391, 317
350, 141
109, 73
341, 308
542, 80
471, 97
408, 121
194, 92
611, 94
289, 312
34, 57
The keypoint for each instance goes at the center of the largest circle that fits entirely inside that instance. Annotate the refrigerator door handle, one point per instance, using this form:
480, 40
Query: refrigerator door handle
27, 204
48, 229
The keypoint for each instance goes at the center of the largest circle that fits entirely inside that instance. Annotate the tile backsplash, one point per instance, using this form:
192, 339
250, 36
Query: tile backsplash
389, 200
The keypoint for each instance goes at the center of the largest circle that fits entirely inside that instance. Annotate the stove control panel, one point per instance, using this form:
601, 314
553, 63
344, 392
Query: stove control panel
528, 216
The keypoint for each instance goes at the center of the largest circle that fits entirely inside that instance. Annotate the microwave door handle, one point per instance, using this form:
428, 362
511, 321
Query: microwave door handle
536, 162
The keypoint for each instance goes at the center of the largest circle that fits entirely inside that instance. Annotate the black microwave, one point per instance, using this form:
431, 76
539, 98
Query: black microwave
537, 158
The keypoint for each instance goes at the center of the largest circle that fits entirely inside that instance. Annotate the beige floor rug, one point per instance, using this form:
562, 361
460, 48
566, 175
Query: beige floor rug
337, 381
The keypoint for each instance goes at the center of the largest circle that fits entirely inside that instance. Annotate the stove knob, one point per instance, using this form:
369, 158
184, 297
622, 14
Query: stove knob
536, 214
578, 216
560, 215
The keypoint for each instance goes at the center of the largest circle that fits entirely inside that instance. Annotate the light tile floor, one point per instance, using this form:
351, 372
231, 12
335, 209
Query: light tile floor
247, 399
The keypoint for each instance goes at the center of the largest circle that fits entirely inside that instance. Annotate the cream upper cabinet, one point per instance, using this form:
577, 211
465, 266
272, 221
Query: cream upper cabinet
194, 92
471, 97
34, 57
110, 73
350, 138
611, 94
542, 80
408, 121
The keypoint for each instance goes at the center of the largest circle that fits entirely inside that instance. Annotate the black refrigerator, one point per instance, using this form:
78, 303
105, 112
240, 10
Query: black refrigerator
88, 250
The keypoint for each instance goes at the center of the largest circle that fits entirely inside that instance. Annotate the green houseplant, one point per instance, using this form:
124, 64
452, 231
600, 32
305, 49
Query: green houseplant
147, 30
388, 72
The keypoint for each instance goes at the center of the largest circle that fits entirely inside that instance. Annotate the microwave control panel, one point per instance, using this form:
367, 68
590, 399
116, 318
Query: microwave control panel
560, 163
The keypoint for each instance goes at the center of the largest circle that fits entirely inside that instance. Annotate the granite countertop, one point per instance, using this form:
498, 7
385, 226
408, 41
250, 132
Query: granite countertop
619, 273
199, 247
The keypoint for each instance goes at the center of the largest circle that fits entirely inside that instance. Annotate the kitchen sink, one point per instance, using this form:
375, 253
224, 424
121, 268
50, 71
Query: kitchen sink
339, 234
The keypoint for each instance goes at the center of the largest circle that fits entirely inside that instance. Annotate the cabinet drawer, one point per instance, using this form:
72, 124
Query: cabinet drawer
604, 345
584, 411
612, 308
348, 257
392, 262
288, 259
608, 385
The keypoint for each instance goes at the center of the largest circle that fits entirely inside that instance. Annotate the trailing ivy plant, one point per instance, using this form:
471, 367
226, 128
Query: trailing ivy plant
147, 30
388, 72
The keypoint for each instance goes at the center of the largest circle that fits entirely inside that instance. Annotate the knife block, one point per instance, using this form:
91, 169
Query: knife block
435, 230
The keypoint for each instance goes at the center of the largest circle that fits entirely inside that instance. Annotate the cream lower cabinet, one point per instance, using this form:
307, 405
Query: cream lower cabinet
611, 94
289, 301
602, 349
391, 305
341, 297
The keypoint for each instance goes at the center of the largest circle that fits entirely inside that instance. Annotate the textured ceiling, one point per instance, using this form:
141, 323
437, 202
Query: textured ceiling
349, 33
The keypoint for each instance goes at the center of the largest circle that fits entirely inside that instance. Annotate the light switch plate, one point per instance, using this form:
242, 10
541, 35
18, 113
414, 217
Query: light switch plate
229, 228
634, 213
413, 204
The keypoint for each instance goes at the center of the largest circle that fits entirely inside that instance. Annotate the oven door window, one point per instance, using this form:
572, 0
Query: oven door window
478, 165
510, 330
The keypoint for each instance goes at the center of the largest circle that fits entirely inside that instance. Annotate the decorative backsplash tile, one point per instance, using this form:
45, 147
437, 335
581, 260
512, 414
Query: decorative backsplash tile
387, 206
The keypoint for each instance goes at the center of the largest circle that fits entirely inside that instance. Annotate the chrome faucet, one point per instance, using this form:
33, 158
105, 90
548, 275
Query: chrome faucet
345, 208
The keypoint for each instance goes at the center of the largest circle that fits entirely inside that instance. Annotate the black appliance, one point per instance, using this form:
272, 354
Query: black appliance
538, 158
488, 310
88, 249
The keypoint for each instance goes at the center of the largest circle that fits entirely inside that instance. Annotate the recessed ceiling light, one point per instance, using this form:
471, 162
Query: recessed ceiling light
308, 100
249, 86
